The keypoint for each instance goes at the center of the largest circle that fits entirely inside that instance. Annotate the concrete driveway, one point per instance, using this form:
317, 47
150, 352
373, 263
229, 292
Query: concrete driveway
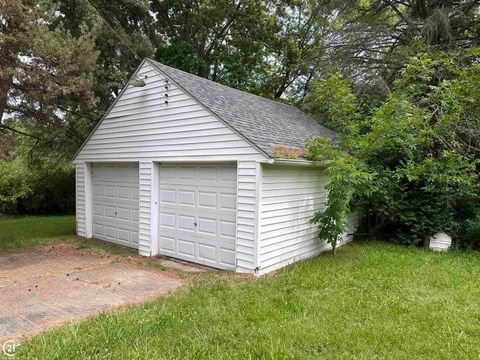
44, 287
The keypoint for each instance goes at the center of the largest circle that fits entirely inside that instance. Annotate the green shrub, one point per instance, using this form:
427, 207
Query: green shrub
466, 232
421, 144
471, 238
36, 188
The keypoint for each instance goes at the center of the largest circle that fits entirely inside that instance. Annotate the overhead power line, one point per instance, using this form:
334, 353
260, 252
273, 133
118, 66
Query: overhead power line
125, 42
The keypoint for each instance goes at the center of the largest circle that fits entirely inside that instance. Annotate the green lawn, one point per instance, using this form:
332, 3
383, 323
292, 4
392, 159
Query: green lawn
17, 233
371, 301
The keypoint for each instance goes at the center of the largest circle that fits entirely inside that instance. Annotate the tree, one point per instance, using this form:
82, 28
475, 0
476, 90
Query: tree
43, 70
127, 28
45, 74
374, 39
447, 85
332, 102
224, 40
347, 179
272, 48
299, 52
419, 148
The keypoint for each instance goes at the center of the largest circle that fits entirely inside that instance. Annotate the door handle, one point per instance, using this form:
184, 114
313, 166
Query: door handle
194, 223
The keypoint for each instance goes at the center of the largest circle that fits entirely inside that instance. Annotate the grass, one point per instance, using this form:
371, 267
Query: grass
18, 233
371, 301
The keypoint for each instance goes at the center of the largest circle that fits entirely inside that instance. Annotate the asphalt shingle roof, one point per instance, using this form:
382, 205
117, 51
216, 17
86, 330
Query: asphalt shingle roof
262, 121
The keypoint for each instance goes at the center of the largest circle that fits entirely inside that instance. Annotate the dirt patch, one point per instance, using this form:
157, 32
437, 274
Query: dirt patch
180, 265
44, 287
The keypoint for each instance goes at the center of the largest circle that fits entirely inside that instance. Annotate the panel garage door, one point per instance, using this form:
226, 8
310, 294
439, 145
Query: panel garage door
198, 213
115, 203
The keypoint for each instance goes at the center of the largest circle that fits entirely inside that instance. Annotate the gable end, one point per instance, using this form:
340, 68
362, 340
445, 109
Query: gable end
163, 122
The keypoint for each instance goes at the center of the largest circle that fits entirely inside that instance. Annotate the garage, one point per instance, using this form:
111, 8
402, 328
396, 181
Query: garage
197, 211
115, 203
184, 167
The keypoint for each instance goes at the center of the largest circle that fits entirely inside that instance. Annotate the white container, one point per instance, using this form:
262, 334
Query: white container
440, 242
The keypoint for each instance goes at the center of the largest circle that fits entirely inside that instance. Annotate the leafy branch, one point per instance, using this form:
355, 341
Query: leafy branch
347, 178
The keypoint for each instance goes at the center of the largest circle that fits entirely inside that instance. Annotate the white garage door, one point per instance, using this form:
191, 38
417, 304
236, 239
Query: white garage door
198, 213
115, 203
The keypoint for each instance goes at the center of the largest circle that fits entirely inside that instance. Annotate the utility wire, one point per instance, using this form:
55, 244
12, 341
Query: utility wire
113, 30
122, 39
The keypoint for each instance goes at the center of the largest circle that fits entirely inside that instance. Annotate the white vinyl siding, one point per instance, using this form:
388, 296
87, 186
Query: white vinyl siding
140, 126
290, 196
80, 199
145, 208
248, 176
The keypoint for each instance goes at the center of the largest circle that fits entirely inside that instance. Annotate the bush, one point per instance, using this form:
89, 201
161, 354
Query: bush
466, 232
420, 146
36, 188
471, 236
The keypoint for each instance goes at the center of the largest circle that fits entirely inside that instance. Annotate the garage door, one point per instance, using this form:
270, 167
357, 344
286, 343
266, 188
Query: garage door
198, 213
115, 203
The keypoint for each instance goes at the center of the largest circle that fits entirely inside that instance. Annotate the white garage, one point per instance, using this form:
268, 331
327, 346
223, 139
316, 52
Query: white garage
188, 168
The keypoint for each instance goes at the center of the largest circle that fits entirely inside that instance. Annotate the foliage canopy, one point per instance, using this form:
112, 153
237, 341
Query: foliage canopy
419, 147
